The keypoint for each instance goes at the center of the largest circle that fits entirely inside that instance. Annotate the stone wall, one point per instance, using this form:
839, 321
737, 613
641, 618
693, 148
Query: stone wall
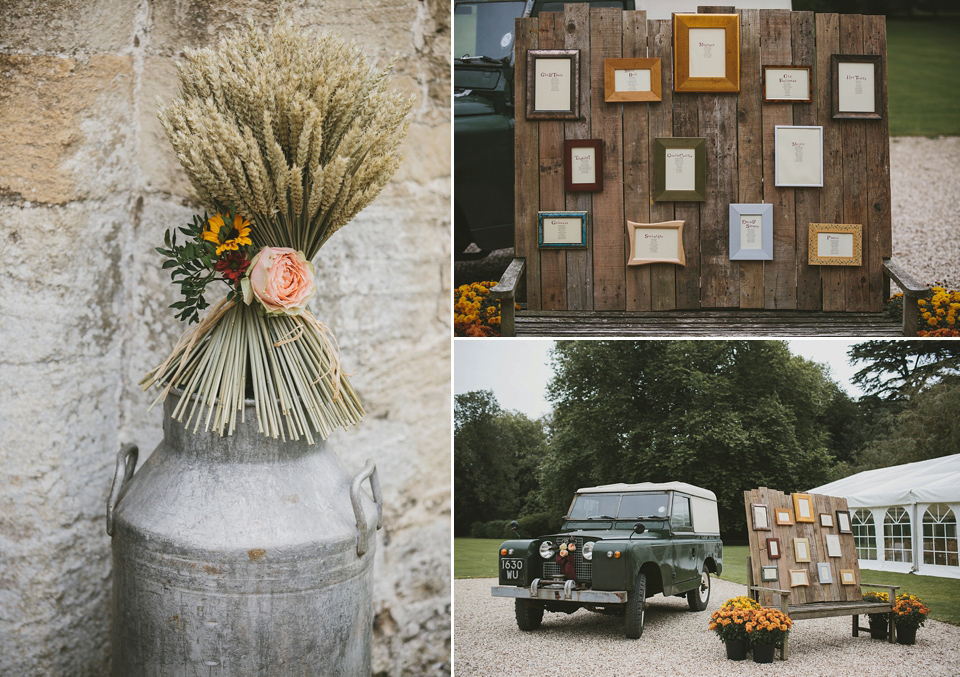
88, 184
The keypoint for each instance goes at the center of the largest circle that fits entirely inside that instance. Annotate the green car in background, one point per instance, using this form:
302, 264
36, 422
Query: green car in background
483, 112
619, 544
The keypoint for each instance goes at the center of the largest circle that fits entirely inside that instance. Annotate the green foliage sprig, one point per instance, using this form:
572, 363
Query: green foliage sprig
192, 264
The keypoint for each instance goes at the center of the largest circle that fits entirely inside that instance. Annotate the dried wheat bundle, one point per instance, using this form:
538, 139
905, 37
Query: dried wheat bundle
285, 137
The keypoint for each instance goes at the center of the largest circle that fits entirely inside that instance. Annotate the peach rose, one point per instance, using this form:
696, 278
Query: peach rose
281, 279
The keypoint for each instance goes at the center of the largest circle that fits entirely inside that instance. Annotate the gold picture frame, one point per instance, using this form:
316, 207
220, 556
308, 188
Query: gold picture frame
783, 516
835, 244
706, 52
848, 577
629, 80
798, 577
803, 508
801, 550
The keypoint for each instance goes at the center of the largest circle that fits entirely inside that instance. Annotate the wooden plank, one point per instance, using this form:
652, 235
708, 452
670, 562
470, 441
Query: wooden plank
553, 284
780, 275
806, 200
636, 166
579, 262
720, 280
527, 164
660, 43
878, 226
686, 123
750, 145
608, 225
831, 195
853, 133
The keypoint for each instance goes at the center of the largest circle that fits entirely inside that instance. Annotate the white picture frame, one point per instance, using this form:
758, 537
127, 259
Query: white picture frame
823, 573
826, 520
751, 232
798, 577
798, 156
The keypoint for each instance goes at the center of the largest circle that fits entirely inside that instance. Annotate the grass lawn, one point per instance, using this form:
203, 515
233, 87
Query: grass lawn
477, 558
922, 82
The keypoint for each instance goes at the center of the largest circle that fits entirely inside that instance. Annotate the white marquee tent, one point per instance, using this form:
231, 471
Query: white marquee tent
905, 517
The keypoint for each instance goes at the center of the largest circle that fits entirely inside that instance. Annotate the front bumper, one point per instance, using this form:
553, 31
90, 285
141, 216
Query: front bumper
558, 592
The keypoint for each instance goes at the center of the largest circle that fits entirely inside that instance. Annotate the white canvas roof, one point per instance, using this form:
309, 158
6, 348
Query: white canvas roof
651, 486
936, 480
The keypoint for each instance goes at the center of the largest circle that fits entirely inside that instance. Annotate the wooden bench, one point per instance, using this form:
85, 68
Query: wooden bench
829, 609
732, 322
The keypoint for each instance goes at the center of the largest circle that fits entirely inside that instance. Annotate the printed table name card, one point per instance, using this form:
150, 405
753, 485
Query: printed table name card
681, 169
750, 236
835, 244
708, 53
786, 83
553, 86
583, 166
632, 80
856, 88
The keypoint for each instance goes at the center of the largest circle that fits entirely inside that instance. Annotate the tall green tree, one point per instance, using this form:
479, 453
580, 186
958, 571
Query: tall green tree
494, 456
724, 415
901, 369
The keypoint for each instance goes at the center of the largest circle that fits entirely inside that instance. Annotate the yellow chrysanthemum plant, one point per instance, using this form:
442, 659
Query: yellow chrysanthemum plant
285, 137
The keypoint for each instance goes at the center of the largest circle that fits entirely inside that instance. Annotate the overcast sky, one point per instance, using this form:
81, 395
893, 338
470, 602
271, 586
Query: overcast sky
517, 370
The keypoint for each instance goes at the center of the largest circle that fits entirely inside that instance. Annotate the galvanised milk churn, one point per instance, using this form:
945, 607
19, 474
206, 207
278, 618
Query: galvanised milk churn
241, 555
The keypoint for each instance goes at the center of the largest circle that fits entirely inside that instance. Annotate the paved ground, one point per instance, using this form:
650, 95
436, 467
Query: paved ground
676, 641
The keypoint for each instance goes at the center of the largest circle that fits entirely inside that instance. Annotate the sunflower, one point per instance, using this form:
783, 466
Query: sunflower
227, 238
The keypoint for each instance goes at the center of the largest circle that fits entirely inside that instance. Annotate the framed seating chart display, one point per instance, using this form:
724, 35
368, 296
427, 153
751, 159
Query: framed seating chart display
790, 84
706, 52
583, 165
798, 155
835, 244
631, 80
657, 243
680, 169
561, 230
857, 88
751, 232
553, 84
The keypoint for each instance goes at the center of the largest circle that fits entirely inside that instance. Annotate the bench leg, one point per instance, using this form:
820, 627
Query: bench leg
856, 626
783, 648
893, 629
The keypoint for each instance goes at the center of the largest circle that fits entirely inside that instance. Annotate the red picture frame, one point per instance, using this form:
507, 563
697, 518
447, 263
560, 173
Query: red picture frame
591, 159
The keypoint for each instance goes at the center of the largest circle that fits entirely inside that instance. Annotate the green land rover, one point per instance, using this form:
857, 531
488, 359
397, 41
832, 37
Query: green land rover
618, 545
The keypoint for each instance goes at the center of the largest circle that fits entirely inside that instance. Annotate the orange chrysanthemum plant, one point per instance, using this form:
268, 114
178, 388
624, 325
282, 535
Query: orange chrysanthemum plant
910, 611
768, 626
475, 312
730, 620
939, 316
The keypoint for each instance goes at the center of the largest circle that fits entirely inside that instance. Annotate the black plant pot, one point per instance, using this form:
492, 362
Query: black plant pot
878, 626
906, 635
763, 653
736, 650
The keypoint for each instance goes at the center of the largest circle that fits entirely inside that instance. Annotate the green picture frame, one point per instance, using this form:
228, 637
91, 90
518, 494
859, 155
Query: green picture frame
680, 169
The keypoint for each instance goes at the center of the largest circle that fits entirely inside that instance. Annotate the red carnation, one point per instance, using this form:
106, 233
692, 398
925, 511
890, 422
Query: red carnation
232, 265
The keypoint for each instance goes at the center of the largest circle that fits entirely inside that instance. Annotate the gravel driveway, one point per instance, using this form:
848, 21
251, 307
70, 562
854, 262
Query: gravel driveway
675, 641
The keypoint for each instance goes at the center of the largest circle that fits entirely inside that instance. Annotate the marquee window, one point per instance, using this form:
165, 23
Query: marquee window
897, 536
865, 534
940, 536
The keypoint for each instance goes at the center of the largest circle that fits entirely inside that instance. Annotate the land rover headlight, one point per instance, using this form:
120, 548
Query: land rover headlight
546, 550
587, 550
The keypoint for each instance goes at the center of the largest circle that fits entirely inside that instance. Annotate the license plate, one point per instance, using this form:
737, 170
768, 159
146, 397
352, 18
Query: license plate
511, 569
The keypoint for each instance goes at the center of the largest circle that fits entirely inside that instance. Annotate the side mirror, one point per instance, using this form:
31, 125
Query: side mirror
638, 528
514, 525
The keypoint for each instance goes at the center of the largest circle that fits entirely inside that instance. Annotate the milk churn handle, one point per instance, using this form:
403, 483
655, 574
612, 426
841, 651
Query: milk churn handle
369, 470
126, 464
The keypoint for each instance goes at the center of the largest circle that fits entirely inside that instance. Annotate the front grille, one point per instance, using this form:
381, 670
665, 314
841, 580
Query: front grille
583, 568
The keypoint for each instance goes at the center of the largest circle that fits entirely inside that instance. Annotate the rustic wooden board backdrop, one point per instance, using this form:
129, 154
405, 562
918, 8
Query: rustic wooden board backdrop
739, 130
816, 536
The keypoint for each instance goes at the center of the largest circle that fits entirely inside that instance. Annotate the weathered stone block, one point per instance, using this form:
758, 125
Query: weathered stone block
72, 138
157, 162
67, 26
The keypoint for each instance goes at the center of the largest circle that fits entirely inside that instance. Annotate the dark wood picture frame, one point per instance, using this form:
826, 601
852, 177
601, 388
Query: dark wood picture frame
878, 89
844, 525
774, 550
612, 95
804, 99
661, 147
571, 111
683, 81
569, 146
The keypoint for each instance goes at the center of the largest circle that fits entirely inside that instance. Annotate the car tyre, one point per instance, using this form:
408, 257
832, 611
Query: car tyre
634, 614
698, 597
529, 615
